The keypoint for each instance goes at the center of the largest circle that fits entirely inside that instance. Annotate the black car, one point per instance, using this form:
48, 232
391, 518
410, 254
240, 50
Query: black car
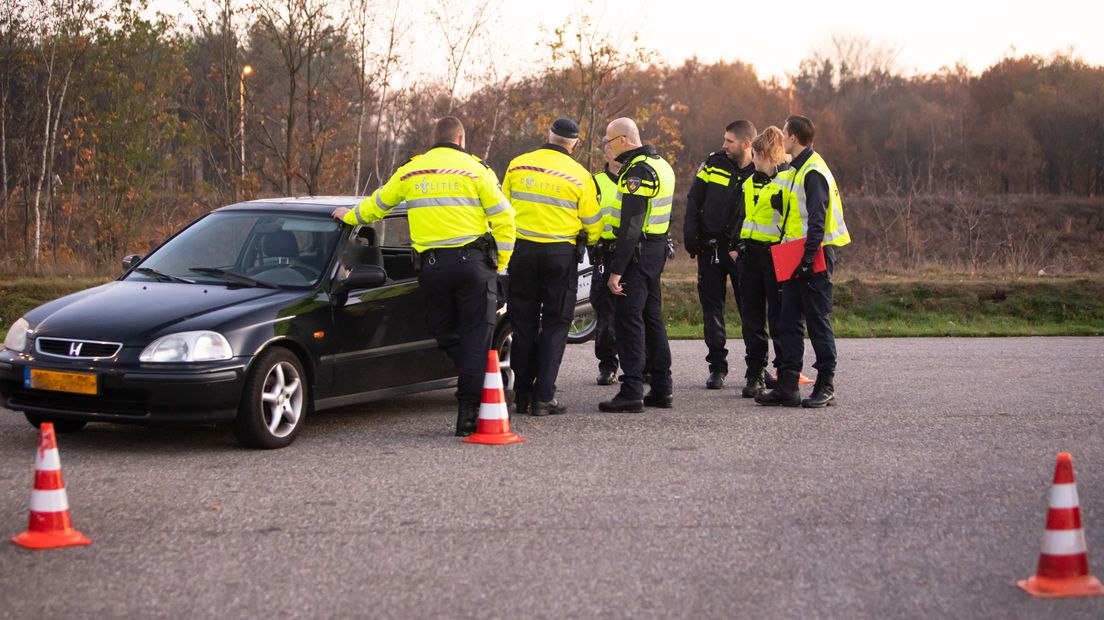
257, 313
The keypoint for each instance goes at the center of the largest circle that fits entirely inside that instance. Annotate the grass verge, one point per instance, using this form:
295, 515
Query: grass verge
865, 306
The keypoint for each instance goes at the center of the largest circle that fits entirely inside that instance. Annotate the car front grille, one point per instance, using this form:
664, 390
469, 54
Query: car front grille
77, 349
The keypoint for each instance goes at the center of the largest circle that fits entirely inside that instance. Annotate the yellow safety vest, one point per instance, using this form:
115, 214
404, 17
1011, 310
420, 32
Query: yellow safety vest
660, 194
610, 202
451, 198
796, 214
553, 198
761, 221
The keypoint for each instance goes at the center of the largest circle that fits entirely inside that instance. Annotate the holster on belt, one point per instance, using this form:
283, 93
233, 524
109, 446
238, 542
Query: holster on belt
580, 246
489, 247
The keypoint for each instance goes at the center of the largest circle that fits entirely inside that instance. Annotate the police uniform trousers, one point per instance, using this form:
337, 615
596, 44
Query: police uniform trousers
544, 280
813, 299
601, 300
461, 295
713, 280
760, 305
638, 315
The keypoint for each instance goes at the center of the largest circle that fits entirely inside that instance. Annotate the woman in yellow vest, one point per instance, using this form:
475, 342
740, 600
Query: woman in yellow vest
761, 228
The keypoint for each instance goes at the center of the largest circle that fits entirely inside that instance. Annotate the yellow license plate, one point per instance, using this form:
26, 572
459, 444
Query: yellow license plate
73, 382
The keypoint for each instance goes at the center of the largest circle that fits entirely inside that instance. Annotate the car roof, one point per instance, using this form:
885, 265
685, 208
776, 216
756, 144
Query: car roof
313, 205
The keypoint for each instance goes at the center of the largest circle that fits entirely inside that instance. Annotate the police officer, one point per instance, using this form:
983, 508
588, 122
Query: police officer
553, 199
761, 229
812, 211
646, 184
601, 300
714, 202
453, 200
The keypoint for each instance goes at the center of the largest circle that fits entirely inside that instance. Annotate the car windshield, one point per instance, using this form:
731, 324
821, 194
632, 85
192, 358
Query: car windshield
246, 248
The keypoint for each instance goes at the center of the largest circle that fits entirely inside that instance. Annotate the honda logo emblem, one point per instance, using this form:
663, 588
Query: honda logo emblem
74, 348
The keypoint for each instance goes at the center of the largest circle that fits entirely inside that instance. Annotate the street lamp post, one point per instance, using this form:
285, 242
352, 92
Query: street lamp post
246, 70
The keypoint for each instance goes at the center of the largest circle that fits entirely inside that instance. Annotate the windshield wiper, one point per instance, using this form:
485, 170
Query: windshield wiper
230, 276
162, 277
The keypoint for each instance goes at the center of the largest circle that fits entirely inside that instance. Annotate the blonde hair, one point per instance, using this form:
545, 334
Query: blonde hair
769, 145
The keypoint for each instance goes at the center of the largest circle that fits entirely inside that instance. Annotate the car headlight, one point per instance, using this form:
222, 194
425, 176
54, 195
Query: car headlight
16, 340
188, 347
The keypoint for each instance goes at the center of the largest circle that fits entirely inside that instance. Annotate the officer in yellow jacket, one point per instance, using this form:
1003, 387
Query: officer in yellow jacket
554, 200
812, 211
462, 227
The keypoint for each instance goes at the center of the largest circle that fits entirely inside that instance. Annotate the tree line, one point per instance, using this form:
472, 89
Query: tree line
117, 127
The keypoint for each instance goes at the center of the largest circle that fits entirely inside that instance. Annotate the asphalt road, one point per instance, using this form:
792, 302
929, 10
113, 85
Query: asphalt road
922, 496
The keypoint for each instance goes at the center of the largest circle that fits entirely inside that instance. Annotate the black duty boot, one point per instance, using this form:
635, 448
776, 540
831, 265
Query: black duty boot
715, 380
466, 415
656, 399
755, 385
785, 393
621, 404
552, 407
770, 379
824, 392
522, 404
606, 377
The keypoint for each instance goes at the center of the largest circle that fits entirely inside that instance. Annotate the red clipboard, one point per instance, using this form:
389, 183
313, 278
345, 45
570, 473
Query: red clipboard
786, 256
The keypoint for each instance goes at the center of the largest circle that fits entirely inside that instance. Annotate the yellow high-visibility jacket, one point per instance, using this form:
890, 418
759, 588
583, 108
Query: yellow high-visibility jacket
553, 197
452, 199
609, 199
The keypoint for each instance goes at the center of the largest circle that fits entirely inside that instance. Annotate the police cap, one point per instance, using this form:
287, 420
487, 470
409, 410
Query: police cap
565, 128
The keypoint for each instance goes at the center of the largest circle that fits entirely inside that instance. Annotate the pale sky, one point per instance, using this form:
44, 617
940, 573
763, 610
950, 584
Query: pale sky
927, 35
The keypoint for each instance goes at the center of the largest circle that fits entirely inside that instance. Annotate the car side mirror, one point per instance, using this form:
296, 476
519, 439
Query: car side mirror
130, 261
363, 276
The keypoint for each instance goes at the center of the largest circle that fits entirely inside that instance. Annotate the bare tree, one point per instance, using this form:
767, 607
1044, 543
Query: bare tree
591, 59
14, 29
459, 37
63, 29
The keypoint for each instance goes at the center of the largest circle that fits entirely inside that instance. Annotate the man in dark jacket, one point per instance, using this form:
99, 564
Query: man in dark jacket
714, 209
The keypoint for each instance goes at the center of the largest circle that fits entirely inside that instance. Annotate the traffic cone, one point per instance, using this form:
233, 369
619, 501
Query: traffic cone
493, 426
49, 526
1064, 561
801, 379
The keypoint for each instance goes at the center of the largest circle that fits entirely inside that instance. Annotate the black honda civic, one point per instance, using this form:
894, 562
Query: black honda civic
255, 314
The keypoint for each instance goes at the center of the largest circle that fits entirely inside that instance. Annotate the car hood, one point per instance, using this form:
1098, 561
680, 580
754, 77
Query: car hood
134, 312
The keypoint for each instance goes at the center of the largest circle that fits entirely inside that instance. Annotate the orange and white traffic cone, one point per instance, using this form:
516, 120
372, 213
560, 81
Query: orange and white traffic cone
49, 525
493, 426
1064, 561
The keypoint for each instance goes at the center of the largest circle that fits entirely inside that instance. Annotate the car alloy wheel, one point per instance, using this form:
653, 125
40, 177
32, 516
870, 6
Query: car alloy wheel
582, 327
274, 401
504, 344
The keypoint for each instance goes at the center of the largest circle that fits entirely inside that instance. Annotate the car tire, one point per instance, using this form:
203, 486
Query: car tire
275, 401
582, 328
61, 426
504, 344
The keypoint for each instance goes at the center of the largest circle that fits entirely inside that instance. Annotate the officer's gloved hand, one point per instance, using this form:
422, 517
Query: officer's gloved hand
804, 270
693, 248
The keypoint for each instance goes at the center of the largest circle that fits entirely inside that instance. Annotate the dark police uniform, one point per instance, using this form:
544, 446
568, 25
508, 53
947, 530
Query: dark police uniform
452, 200
647, 185
714, 213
